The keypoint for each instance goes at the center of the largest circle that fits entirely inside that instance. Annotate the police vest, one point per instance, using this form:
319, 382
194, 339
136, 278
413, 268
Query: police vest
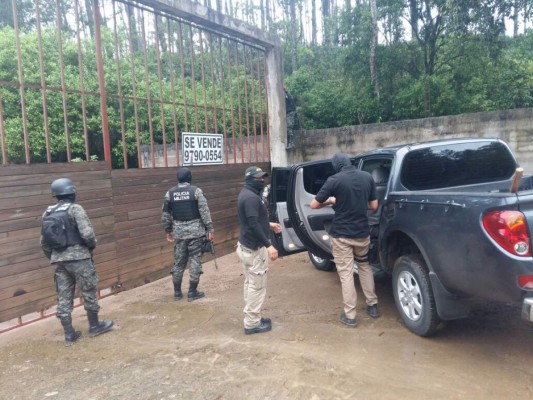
183, 203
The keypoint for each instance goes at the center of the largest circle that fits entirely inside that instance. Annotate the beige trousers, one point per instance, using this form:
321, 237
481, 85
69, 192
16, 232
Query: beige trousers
344, 250
255, 264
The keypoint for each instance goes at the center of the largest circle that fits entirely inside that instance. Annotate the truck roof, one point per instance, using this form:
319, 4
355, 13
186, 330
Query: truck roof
428, 143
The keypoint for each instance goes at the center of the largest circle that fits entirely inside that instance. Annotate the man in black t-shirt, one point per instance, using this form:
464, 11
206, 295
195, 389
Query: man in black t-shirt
352, 193
254, 249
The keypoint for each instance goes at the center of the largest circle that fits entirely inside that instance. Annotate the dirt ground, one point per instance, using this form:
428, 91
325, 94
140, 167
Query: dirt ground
166, 349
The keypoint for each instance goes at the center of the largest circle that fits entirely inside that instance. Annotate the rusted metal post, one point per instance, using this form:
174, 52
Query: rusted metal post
246, 105
21, 84
148, 94
43, 82
182, 65
62, 77
132, 47
159, 75
82, 83
221, 65
101, 82
202, 61
3, 132
173, 92
119, 87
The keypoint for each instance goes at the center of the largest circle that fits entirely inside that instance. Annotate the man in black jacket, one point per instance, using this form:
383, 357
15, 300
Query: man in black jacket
254, 249
352, 193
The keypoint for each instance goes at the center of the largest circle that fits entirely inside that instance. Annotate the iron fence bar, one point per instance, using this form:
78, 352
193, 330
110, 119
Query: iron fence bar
62, 78
22, 89
231, 102
119, 88
101, 81
239, 100
162, 106
82, 83
148, 94
134, 90
215, 110
193, 77
266, 105
3, 132
185, 110
202, 62
246, 103
173, 92
260, 107
221, 66
253, 103
43, 82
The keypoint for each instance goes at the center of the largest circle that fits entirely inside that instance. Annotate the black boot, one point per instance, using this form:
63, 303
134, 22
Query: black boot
177, 290
96, 327
71, 335
193, 293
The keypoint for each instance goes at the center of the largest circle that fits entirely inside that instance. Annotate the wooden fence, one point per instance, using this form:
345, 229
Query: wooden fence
125, 209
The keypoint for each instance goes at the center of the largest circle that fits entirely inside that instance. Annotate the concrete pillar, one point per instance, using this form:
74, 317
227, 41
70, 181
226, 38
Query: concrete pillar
277, 122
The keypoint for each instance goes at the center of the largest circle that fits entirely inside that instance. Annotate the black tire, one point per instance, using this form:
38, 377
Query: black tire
323, 264
413, 295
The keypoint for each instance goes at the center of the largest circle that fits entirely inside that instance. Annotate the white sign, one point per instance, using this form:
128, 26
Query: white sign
202, 148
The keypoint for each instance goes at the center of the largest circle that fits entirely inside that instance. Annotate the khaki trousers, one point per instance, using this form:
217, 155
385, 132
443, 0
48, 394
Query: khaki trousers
344, 250
255, 264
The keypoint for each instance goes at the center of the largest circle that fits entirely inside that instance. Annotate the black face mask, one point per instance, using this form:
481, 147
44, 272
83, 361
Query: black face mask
256, 184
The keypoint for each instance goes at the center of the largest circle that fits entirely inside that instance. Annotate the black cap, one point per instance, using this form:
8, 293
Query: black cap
255, 172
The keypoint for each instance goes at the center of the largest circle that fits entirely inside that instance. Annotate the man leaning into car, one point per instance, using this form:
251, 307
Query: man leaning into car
352, 193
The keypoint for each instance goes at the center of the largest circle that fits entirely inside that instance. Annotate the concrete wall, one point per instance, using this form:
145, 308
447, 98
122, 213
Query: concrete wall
513, 126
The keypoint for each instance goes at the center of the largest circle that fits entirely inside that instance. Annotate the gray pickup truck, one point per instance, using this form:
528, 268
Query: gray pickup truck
449, 228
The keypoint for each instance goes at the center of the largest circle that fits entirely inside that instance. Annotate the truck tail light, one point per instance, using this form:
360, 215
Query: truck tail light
525, 281
509, 229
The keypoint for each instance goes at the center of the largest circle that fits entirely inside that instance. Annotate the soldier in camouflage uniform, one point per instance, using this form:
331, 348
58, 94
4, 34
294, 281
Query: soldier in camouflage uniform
73, 264
187, 222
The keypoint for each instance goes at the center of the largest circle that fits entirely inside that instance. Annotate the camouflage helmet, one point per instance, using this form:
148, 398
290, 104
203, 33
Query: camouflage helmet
62, 187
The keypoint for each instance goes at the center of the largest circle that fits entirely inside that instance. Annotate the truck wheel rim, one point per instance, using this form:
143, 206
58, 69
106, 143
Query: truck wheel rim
409, 296
319, 260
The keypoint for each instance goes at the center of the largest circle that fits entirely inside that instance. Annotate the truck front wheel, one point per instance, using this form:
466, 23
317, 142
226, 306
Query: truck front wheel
323, 264
413, 295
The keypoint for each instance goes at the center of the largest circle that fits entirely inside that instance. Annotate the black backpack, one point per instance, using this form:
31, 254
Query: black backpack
55, 226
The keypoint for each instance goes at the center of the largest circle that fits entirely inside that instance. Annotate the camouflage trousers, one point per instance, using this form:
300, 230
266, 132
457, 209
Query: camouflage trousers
67, 275
185, 250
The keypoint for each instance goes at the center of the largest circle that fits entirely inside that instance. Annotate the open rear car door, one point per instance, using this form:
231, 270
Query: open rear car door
287, 242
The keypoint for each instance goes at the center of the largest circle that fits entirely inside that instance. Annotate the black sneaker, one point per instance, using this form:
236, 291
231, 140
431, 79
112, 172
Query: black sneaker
266, 320
263, 326
352, 323
373, 311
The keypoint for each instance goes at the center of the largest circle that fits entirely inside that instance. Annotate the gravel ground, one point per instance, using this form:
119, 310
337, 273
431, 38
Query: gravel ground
166, 349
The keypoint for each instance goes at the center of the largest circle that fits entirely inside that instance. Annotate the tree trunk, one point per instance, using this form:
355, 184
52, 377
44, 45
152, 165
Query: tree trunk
413, 18
313, 23
293, 35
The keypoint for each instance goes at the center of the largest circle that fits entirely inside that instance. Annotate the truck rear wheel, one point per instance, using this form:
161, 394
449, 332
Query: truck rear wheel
413, 295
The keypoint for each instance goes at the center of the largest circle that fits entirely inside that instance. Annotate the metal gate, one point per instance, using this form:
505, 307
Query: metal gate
120, 81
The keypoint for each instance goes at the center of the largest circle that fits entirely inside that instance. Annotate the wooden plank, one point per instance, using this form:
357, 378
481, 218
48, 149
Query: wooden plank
125, 209
55, 168
7, 312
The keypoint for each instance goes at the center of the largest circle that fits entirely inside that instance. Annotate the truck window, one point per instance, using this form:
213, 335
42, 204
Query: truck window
457, 165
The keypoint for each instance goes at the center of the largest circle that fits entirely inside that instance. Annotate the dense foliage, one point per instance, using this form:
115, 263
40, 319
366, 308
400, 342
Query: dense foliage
345, 64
